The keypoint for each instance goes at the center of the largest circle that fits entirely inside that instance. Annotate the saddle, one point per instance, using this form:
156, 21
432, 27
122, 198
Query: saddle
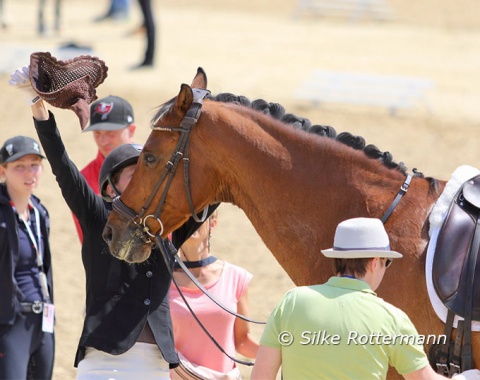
456, 278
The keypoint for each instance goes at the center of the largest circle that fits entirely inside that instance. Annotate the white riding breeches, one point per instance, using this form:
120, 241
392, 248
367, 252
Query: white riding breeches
143, 361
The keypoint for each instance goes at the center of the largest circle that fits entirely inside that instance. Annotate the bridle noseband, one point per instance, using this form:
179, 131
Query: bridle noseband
181, 151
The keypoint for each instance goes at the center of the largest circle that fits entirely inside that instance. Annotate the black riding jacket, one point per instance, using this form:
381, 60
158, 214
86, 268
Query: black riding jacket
120, 297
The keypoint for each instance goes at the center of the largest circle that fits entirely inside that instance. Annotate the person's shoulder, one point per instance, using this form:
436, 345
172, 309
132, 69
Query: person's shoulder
298, 291
3, 193
394, 311
292, 296
310, 295
236, 277
236, 269
36, 201
233, 267
4, 205
39, 205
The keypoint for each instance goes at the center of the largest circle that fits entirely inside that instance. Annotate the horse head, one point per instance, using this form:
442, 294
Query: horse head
147, 208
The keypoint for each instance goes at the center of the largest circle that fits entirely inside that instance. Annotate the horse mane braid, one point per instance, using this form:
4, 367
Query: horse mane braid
230, 98
277, 111
356, 142
296, 121
323, 130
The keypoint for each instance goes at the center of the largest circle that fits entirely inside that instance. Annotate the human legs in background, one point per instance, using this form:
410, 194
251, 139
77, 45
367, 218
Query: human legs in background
120, 7
149, 24
58, 5
43, 357
41, 17
3, 21
21, 339
118, 10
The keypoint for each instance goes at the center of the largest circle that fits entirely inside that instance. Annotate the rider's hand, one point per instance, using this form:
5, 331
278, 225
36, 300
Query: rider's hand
471, 374
20, 79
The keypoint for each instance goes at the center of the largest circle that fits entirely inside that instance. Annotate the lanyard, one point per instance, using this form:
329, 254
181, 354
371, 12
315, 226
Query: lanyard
37, 244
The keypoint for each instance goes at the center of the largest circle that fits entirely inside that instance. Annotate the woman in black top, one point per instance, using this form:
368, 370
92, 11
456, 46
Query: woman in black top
25, 265
127, 307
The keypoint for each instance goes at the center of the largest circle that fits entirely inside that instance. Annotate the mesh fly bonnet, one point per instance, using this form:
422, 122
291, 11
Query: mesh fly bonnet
67, 84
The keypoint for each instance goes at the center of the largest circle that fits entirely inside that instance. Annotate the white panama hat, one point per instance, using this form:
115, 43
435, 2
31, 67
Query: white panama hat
361, 238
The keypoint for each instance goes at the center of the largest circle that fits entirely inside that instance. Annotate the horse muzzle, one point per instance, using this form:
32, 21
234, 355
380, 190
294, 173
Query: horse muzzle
130, 245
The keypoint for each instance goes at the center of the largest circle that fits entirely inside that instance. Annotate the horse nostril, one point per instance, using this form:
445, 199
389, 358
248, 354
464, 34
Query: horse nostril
107, 234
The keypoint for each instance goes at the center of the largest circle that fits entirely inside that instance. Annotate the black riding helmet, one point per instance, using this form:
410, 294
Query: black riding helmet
119, 158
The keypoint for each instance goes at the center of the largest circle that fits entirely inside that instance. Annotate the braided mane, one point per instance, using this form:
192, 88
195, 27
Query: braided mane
277, 111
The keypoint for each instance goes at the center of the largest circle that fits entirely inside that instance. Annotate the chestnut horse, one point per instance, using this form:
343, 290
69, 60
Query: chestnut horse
294, 186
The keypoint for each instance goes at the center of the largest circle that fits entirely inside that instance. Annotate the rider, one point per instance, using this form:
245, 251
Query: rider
127, 331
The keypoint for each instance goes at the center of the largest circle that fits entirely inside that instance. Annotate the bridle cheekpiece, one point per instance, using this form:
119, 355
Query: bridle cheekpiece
181, 152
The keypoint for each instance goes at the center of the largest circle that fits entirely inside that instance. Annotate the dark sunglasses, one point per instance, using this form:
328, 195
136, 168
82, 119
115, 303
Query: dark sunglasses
388, 262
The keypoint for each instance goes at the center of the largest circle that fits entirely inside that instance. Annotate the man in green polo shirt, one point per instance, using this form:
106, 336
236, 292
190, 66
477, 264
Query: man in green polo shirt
341, 329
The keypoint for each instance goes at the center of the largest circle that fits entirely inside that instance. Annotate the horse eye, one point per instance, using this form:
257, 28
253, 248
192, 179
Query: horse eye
149, 158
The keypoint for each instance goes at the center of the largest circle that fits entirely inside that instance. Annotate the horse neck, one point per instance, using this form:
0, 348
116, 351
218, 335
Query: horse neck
294, 187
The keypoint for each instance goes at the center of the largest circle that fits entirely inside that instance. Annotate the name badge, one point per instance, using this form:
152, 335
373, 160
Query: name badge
48, 317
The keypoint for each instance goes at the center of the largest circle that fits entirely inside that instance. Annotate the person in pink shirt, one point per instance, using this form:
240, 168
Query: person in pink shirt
228, 284
112, 125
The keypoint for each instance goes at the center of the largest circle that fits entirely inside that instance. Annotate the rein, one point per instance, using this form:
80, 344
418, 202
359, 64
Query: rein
173, 251
182, 265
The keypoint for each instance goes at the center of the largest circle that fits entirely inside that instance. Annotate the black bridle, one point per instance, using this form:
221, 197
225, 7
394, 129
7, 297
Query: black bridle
180, 151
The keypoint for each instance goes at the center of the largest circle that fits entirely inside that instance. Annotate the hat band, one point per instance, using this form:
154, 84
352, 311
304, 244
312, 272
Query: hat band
386, 248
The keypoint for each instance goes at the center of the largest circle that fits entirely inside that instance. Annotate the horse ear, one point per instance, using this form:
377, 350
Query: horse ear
184, 99
200, 80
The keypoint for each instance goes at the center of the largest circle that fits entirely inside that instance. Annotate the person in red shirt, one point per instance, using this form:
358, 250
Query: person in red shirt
112, 124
